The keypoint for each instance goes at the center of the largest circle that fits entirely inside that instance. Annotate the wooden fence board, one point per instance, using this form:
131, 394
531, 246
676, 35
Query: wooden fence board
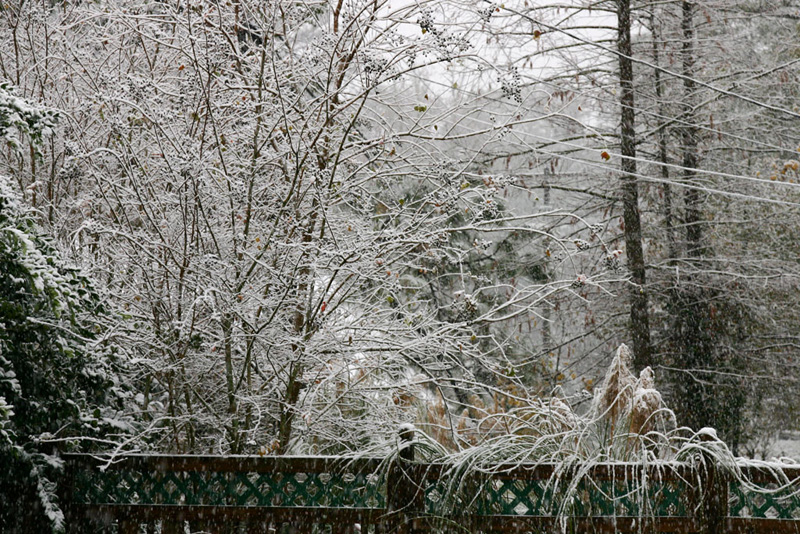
405, 505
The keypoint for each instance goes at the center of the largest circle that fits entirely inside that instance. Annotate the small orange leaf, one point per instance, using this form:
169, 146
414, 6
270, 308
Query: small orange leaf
605, 155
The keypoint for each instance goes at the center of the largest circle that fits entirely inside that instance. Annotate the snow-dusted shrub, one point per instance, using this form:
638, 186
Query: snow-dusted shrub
59, 381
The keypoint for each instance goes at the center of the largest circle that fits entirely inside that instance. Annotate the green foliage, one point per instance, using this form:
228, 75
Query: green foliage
58, 378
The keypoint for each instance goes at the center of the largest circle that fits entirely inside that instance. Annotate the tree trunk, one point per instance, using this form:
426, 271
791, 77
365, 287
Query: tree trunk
663, 157
233, 428
639, 322
691, 198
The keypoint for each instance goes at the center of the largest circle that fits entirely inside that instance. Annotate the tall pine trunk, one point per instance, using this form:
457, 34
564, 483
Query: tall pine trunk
639, 322
691, 197
663, 158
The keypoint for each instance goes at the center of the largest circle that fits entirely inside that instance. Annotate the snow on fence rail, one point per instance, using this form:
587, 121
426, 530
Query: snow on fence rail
304, 494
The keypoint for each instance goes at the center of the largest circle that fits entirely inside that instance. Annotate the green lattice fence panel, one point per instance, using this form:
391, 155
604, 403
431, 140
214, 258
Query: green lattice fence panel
443, 499
767, 501
335, 490
586, 498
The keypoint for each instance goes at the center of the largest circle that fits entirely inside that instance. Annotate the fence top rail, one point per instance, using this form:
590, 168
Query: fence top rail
771, 473
667, 471
226, 464
602, 471
760, 474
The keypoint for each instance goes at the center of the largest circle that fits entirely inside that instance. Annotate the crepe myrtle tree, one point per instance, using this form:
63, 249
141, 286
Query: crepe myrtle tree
270, 190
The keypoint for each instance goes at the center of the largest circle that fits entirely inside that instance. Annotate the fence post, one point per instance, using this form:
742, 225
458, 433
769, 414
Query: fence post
75, 521
715, 497
406, 443
128, 526
404, 486
171, 526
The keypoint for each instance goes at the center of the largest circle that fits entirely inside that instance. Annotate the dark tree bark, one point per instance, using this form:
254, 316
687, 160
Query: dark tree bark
691, 198
663, 157
639, 322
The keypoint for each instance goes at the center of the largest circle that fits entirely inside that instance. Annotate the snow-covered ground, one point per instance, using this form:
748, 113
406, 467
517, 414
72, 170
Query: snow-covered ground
786, 446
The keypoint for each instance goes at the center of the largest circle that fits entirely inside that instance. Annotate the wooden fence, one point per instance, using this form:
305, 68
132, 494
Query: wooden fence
226, 495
